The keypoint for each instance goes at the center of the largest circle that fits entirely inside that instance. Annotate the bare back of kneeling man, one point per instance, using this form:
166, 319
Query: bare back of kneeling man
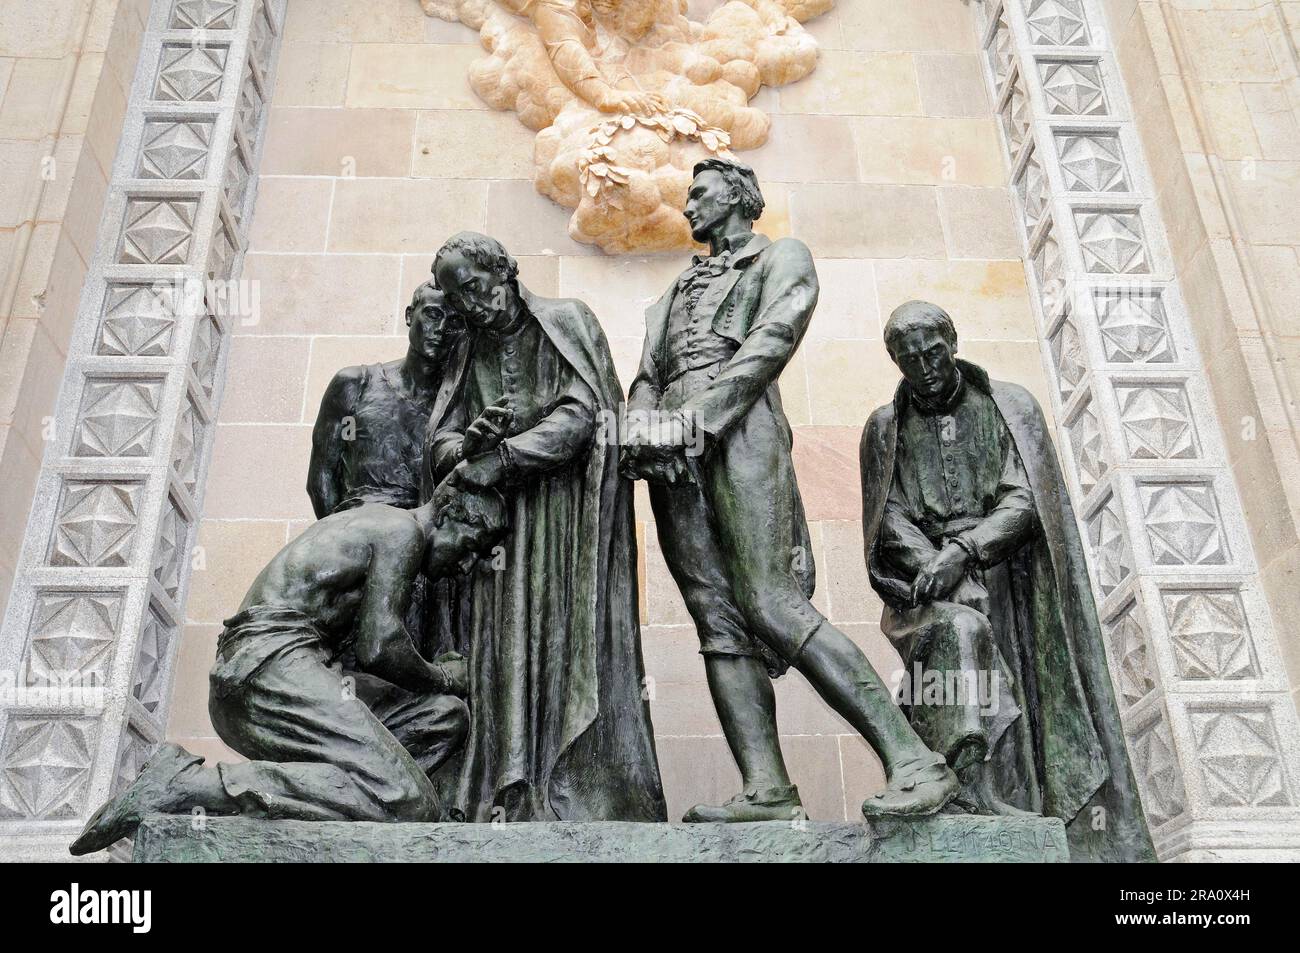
326, 743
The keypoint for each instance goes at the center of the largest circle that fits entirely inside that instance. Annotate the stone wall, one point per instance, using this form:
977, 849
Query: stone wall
65, 66
886, 161
1217, 99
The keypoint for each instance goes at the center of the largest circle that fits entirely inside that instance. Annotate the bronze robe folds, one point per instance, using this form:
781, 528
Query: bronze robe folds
1079, 761
560, 728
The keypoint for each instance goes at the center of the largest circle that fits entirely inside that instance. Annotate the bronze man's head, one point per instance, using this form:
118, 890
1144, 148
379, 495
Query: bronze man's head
722, 191
922, 341
434, 325
479, 278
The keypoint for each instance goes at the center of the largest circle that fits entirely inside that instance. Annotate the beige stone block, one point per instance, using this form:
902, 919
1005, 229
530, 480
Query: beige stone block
104, 125
355, 21
1180, 206
417, 76
34, 411
1273, 119
1278, 270
6, 71
528, 223
292, 215
188, 715
844, 572
502, 147
1018, 361
417, 216
229, 555
85, 207
626, 352
323, 294
1208, 310
885, 25
1281, 583
847, 380
846, 302
979, 223
695, 771
826, 30
30, 109
62, 293
867, 221
38, 29
619, 290
987, 299
34, 271
265, 379
1228, 45
84, 93
341, 142
20, 179
14, 347
124, 41
312, 74
329, 355
806, 149
775, 220
859, 84
1268, 193
814, 765
952, 84
19, 467
1229, 120
827, 467
929, 151
259, 472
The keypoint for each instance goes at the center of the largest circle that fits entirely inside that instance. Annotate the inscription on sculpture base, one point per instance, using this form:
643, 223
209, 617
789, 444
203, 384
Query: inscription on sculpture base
942, 839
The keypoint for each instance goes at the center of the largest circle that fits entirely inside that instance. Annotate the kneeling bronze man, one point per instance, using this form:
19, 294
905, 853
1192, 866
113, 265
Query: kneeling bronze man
327, 744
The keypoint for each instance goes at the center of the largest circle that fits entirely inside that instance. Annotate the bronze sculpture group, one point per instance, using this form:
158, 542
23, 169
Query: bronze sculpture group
457, 637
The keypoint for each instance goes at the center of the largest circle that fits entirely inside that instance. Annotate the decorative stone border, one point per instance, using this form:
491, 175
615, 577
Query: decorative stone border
99, 593
1212, 731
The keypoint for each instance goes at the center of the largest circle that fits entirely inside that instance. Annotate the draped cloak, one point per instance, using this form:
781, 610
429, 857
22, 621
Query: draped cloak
560, 725
1078, 742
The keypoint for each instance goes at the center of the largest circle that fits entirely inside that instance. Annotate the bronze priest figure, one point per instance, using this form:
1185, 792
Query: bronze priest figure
972, 544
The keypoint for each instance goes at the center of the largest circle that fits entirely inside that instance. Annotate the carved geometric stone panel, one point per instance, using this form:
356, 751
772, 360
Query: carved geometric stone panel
1111, 241
1092, 162
1238, 756
45, 765
118, 417
1087, 445
204, 14
157, 231
1209, 634
173, 534
1131, 654
155, 641
71, 638
175, 149
1110, 549
1072, 88
206, 352
1067, 358
137, 323
95, 523
1134, 327
1183, 524
1156, 421
190, 74
1159, 779
1057, 22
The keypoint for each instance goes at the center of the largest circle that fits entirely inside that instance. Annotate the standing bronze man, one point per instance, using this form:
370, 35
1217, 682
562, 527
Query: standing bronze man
972, 544
730, 519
